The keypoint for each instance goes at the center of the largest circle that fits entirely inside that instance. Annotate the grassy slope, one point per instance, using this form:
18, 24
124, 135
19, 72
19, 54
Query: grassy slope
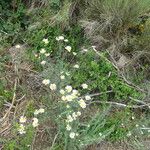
16, 25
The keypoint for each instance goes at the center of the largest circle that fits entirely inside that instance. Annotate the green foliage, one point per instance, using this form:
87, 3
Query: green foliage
21, 142
114, 17
30, 108
91, 131
101, 77
122, 122
140, 43
5, 92
74, 35
96, 129
34, 39
55, 4
14, 20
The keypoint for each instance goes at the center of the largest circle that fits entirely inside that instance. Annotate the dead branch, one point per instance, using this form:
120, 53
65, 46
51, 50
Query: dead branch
54, 140
120, 104
13, 101
97, 94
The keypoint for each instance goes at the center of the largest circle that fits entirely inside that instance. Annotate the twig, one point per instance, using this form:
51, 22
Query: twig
139, 101
122, 75
21, 68
96, 94
54, 141
119, 104
18, 100
8, 105
145, 128
13, 101
99, 54
5, 129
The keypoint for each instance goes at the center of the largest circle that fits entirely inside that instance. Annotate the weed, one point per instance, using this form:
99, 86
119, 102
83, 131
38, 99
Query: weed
101, 76
72, 81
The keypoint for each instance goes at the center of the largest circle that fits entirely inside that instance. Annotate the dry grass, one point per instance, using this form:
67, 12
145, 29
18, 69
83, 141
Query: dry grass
16, 71
107, 24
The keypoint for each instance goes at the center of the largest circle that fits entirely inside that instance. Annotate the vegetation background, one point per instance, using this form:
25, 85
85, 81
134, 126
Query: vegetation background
110, 41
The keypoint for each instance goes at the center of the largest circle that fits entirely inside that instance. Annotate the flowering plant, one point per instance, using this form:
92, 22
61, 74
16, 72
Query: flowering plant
72, 105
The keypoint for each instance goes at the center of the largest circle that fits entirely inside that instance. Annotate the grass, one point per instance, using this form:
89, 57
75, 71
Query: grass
101, 120
116, 25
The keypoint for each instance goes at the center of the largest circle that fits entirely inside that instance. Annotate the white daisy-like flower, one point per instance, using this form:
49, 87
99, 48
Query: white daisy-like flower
69, 118
46, 81
22, 119
72, 135
61, 38
77, 134
41, 110
84, 86
75, 92
68, 48
122, 125
36, 112
137, 125
79, 113
129, 134
68, 106
36, 55
57, 39
35, 122
68, 127
76, 66
132, 117
63, 98
47, 54
74, 53
82, 103
42, 51
62, 92
62, 77
68, 88
22, 129
43, 62
18, 46
87, 97
66, 40
100, 134
73, 96
74, 115
45, 41
69, 98
53, 87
